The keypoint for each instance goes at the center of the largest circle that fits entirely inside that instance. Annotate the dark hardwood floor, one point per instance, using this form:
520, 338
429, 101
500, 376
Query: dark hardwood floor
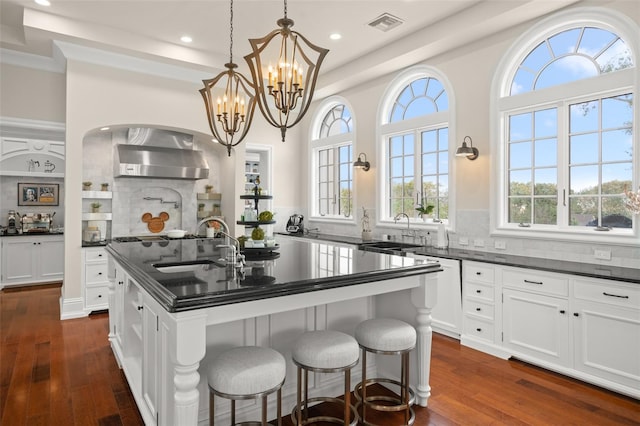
56, 372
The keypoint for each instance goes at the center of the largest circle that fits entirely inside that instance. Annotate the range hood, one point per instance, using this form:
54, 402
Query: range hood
157, 153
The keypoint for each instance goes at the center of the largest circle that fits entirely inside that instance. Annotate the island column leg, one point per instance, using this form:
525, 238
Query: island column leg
424, 298
187, 346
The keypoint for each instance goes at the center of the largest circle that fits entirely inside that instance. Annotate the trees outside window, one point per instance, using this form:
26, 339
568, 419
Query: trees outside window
332, 163
416, 146
567, 148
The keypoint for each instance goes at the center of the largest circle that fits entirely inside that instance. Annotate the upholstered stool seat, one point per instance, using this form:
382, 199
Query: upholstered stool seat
324, 352
247, 372
388, 337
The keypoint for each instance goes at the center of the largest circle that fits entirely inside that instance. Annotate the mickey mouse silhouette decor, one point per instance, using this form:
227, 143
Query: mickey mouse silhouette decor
155, 224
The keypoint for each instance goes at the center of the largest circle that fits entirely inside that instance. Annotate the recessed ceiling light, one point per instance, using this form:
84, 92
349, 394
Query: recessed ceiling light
104, 128
43, 2
186, 39
335, 36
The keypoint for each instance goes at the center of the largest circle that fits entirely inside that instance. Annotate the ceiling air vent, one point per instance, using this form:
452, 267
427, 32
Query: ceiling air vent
385, 22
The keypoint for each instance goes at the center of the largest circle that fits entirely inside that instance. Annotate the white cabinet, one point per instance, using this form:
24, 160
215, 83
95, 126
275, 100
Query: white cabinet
582, 327
606, 324
32, 259
535, 316
95, 278
478, 304
446, 316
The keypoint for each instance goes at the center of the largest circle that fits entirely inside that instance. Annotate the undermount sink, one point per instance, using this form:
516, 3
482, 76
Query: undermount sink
187, 266
389, 247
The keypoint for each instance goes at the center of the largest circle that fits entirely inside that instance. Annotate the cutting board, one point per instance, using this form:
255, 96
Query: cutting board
155, 224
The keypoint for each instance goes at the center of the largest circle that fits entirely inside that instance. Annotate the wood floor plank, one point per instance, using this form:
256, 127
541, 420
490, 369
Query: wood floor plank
56, 372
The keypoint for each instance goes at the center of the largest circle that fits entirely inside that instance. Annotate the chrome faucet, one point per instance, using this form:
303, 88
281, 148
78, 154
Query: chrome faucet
409, 233
236, 258
225, 227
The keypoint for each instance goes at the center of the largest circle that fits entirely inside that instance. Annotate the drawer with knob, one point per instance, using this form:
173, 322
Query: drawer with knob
478, 328
479, 291
95, 255
477, 272
610, 293
96, 273
478, 309
97, 296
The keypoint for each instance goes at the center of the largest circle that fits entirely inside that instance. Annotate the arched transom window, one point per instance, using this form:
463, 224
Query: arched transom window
416, 149
332, 155
567, 149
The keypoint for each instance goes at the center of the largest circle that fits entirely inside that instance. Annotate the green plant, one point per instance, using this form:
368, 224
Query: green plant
95, 205
87, 184
257, 234
424, 210
265, 216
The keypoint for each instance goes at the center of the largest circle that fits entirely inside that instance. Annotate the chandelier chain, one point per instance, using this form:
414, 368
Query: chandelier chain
285, 9
231, 32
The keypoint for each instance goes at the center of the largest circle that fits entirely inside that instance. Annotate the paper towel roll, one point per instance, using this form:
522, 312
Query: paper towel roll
442, 241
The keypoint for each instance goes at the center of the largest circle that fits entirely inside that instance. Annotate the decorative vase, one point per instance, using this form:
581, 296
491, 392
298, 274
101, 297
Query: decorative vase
366, 235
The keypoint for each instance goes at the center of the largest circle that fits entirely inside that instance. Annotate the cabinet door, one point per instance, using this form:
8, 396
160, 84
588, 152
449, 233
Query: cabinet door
51, 259
607, 342
447, 314
536, 325
150, 354
19, 261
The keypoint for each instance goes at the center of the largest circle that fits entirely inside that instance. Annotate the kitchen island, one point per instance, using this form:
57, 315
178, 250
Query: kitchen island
174, 305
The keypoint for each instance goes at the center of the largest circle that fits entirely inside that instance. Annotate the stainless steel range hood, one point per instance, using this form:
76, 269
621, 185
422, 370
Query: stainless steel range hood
157, 153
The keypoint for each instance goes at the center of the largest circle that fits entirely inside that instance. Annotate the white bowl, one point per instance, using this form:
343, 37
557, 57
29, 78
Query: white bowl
176, 233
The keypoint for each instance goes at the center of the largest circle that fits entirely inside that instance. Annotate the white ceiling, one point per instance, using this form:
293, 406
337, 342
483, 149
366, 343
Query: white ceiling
151, 29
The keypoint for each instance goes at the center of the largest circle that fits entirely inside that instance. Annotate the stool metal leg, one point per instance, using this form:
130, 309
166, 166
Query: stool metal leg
211, 408
233, 412
405, 385
347, 397
279, 406
306, 395
364, 385
264, 410
299, 399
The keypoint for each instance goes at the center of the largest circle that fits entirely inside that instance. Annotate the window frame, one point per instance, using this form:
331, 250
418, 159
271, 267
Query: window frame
503, 104
416, 125
334, 142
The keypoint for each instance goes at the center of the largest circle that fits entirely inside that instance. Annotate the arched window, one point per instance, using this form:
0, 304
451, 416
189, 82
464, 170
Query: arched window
566, 108
332, 156
416, 160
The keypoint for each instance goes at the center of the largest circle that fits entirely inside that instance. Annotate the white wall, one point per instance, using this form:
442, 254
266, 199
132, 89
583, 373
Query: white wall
470, 70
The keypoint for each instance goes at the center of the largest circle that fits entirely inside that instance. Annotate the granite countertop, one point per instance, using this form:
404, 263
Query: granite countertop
301, 266
617, 273
33, 234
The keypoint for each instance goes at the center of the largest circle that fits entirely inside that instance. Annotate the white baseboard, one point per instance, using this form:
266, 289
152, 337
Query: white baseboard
71, 308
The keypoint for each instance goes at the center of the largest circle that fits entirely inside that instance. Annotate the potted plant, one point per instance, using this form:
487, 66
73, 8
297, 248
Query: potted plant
424, 211
200, 207
95, 207
86, 186
257, 235
105, 186
208, 188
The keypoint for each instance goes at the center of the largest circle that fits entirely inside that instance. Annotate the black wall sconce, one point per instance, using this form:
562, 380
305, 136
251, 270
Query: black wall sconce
362, 163
467, 151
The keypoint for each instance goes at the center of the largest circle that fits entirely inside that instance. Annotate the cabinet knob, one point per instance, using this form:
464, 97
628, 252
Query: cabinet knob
562, 311
34, 243
478, 329
478, 273
99, 273
140, 308
575, 314
99, 296
478, 309
100, 255
478, 291
120, 282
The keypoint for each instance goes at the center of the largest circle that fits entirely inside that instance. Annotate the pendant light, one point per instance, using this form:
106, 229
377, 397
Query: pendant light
284, 70
230, 116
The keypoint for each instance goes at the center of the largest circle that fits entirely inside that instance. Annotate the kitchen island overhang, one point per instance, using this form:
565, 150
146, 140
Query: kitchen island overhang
176, 343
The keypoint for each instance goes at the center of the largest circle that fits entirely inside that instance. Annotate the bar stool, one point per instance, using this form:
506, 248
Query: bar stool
324, 351
388, 337
247, 372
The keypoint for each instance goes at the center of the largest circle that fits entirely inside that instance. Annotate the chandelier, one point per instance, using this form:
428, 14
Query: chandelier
291, 71
229, 117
